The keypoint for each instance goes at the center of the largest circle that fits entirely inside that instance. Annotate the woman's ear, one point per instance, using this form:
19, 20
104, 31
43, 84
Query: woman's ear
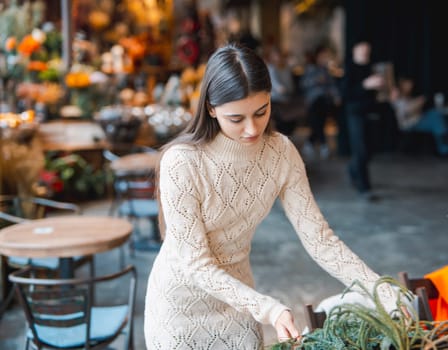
211, 110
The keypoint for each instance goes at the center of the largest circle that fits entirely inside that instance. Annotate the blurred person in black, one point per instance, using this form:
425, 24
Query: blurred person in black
360, 89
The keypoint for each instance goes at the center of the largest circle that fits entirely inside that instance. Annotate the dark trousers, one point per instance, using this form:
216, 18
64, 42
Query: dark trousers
318, 112
357, 124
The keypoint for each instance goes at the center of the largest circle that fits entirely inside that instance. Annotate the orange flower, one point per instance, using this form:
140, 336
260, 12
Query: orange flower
38, 66
10, 43
134, 47
28, 45
77, 79
51, 93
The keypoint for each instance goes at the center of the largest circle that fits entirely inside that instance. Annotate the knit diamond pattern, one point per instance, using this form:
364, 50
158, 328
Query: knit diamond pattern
201, 290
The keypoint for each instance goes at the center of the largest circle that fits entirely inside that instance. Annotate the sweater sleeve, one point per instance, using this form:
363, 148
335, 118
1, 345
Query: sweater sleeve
187, 238
319, 239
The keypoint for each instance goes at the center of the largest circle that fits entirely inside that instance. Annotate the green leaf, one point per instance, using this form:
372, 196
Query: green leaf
67, 173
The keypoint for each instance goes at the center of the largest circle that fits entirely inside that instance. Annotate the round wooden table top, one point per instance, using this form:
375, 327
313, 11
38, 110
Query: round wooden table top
136, 162
64, 236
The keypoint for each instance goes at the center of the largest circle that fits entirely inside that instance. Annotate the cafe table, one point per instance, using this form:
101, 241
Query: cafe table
64, 237
135, 163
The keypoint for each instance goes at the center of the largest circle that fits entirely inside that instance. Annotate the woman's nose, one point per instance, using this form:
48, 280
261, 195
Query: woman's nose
251, 127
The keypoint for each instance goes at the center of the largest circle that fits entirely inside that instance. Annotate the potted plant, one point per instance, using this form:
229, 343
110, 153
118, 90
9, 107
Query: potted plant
357, 326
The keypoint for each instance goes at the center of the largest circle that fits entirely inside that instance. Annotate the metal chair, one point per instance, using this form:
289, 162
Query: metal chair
15, 210
61, 314
424, 289
136, 202
314, 319
119, 187
134, 198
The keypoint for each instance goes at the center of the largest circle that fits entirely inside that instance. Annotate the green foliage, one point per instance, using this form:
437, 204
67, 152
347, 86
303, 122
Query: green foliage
50, 74
287, 345
80, 178
358, 327
53, 44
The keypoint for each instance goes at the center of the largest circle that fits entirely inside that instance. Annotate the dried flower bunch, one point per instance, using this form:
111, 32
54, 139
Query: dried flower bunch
21, 158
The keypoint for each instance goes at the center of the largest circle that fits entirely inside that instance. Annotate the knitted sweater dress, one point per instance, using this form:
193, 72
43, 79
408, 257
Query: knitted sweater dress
200, 292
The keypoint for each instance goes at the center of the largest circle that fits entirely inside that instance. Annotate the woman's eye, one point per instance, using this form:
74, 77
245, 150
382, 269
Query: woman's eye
235, 120
260, 114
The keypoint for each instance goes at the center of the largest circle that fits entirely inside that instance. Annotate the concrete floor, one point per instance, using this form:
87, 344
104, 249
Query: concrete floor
405, 230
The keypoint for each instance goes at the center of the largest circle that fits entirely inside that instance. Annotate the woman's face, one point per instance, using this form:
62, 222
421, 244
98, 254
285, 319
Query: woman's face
244, 120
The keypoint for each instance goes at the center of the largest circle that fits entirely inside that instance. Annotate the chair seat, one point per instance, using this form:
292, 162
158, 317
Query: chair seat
139, 208
47, 263
105, 322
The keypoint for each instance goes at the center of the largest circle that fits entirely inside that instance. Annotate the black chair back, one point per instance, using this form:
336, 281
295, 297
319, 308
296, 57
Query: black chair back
314, 319
424, 289
68, 303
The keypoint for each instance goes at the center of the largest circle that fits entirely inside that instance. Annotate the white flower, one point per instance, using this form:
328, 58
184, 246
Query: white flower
117, 50
98, 78
39, 35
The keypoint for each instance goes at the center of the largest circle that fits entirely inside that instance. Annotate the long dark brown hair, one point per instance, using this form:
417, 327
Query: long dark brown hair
233, 73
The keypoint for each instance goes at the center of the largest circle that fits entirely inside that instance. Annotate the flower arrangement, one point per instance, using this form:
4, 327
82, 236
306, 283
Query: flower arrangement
30, 61
21, 157
71, 177
31, 43
50, 94
88, 89
27, 57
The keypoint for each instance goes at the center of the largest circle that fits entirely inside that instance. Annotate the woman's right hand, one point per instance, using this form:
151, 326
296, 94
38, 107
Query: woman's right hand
285, 327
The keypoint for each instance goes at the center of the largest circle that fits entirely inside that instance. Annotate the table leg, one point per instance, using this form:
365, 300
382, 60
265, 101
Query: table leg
152, 243
7, 289
66, 266
4, 283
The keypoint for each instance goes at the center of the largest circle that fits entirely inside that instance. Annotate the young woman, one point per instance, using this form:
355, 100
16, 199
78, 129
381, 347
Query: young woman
218, 181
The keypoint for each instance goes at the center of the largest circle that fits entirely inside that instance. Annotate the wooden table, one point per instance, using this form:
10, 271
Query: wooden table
64, 237
135, 163
85, 138
72, 136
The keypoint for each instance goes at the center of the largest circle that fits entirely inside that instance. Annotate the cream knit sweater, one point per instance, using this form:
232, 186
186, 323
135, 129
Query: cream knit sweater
201, 290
